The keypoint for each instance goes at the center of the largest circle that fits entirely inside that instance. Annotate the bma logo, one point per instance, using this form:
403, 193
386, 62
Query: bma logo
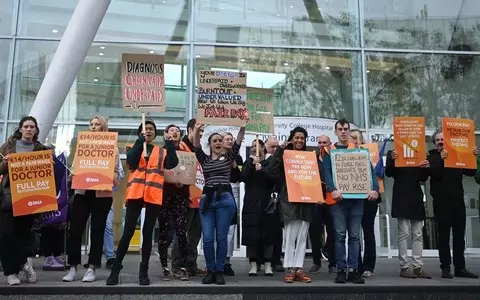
34, 203
90, 179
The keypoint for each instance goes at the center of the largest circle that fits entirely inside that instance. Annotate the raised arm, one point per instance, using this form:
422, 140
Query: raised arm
240, 135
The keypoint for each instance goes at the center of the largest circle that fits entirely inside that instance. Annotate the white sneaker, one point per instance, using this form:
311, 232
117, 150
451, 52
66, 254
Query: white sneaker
71, 276
13, 279
31, 276
89, 276
367, 274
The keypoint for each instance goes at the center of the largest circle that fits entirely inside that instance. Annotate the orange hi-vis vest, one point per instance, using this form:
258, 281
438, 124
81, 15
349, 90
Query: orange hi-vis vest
146, 182
194, 193
329, 200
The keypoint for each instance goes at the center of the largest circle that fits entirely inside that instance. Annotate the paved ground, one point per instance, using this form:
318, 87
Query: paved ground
385, 275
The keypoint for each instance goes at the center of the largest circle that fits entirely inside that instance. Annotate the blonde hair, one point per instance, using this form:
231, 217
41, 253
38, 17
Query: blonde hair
358, 134
102, 120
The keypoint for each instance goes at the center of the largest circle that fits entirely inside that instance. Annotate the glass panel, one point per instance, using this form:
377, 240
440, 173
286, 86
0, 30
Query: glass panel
132, 20
97, 89
306, 83
430, 85
6, 13
427, 24
4, 55
278, 22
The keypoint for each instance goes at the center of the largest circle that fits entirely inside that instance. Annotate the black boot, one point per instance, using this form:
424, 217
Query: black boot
209, 278
143, 274
114, 274
219, 279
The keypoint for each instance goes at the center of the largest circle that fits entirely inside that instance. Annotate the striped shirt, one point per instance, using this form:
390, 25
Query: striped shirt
217, 171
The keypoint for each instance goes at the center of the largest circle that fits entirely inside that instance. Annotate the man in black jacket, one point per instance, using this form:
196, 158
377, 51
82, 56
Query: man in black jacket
446, 189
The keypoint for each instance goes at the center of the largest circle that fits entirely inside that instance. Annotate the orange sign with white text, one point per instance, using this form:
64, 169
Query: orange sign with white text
302, 177
459, 141
374, 158
32, 182
95, 160
409, 141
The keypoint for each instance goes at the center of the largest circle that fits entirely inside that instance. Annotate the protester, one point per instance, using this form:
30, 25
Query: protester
322, 219
174, 208
88, 203
296, 216
446, 188
15, 232
346, 213
258, 226
144, 189
235, 177
217, 205
409, 209
193, 226
366, 267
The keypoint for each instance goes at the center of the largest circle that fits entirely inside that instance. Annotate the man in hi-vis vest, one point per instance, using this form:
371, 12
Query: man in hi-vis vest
346, 213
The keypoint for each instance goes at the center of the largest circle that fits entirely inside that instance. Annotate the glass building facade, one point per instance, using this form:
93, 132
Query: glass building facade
366, 60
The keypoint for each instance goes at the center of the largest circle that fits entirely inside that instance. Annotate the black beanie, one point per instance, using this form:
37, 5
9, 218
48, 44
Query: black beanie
139, 131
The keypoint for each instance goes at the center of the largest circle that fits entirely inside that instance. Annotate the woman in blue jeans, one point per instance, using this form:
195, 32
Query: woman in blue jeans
217, 206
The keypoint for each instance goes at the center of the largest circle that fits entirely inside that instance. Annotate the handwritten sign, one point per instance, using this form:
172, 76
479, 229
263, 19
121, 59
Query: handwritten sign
302, 177
196, 190
260, 111
409, 141
352, 174
32, 182
222, 98
186, 170
374, 159
459, 140
143, 82
94, 161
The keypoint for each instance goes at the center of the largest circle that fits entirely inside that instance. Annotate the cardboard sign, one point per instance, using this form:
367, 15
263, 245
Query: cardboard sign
94, 161
352, 174
222, 97
32, 182
409, 141
143, 82
302, 177
260, 111
459, 141
186, 170
374, 158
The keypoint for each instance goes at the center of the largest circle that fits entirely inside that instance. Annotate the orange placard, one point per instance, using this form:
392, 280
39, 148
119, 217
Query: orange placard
302, 177
459, 140
94, 161
409, 141
374, 158
32, 182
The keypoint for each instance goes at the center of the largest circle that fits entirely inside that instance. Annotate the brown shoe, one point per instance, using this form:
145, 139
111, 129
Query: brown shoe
196, 272
407, 273
289, 276
421, 273
302, 277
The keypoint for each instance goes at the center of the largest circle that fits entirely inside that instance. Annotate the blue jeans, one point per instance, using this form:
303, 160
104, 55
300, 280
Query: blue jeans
108, 237
216, 220
347, 215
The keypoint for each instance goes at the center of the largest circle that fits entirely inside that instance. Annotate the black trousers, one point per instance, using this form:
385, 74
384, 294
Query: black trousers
194, 234
15, 241
52, 241
85, 206
321, 218
260, 252
134, 208
370, 249
455, 220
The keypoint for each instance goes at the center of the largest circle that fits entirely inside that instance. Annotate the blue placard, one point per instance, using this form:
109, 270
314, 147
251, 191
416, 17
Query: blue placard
347, 191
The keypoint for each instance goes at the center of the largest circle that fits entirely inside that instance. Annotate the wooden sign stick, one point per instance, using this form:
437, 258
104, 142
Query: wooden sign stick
257, 146
143, 131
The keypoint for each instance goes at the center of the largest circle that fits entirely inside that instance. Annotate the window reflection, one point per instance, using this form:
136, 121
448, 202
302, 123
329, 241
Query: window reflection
306, 83
6, 17
4, 55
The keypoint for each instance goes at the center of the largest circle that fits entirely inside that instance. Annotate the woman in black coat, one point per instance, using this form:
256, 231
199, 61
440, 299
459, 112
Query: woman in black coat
408, 208
258, 227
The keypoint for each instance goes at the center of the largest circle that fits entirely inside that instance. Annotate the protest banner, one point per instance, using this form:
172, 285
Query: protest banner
352, 174
409, 141
302, 177
196, 190
32, 182
186, 170
260, 111
459, 141
221, 98
374, 159
59, 216
94, 161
